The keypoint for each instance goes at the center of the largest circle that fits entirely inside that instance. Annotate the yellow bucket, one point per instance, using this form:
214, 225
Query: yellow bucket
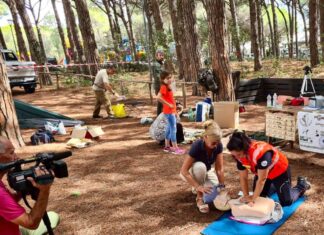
119, 110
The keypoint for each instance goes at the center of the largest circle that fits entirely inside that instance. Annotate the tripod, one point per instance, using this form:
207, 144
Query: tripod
307, 77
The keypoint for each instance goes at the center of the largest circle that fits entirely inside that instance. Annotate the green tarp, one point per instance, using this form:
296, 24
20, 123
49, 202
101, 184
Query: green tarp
30, 116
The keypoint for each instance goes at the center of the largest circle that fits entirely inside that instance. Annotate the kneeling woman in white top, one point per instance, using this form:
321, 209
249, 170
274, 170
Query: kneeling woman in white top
197, 166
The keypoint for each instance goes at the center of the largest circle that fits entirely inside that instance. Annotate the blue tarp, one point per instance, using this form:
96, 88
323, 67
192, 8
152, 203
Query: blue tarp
225, 226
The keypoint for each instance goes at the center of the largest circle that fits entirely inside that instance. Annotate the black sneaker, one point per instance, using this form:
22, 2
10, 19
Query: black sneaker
96, 116
303, 183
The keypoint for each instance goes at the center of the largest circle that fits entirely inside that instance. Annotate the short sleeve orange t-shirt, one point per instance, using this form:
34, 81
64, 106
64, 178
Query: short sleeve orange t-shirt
167, 95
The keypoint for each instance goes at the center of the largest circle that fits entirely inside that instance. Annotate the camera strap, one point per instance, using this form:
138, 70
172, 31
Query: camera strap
24, 197
46, 219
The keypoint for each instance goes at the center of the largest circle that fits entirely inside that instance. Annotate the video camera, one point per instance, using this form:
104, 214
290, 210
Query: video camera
17, 177
307, 69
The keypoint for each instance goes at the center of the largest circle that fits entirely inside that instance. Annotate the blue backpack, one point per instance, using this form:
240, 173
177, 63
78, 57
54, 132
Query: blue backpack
42, 136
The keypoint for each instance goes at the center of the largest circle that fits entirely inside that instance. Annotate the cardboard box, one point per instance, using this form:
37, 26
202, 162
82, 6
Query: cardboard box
88, 132
226, 114
95, 131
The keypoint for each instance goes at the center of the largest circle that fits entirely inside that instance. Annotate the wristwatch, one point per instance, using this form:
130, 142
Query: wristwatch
221, 185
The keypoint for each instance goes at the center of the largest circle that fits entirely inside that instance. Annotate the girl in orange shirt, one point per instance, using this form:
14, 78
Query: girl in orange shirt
165, 96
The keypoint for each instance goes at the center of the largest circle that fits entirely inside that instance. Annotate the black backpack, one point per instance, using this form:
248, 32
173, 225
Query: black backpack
180, 134
207, 79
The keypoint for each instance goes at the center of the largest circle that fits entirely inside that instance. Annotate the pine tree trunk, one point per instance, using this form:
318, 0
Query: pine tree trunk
117, 27
291, 29
286, 23
183, 42
9, 126
270, 28
262, 33
219, 58
2, 41
34, 46
275, 30
160, 34
40, 39
61, 32
71, 49
229, 43
89, 41
301, 11
36, 21
313, 32
155, 7
71, 22
296, 27
259, 17
176, 35
131, 32
192, 41
23, 52
128, 31
149, 26
254, 35
236, 30
73, 54
321, 10
112, 27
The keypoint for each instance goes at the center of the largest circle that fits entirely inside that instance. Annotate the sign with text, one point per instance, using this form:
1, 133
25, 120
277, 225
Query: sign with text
311, 131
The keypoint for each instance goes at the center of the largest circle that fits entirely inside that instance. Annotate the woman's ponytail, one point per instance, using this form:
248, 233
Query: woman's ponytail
212, 130
239, 141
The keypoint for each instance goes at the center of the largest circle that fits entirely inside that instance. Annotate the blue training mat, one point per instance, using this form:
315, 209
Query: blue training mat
225, 226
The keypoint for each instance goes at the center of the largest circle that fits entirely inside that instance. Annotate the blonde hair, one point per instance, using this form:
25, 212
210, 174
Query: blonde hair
212, 130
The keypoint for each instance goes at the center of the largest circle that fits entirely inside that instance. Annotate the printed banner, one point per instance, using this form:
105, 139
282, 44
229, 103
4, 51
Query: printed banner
311, 131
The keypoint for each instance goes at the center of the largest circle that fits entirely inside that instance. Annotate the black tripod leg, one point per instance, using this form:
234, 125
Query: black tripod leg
47, 223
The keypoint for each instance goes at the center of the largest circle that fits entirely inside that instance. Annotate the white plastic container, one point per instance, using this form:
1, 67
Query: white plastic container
275, 100
269, 102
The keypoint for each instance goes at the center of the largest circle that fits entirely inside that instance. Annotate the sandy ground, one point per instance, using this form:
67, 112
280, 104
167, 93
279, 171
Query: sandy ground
125, 184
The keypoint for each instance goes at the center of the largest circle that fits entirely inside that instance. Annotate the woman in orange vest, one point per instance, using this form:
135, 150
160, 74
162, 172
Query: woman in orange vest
270, 167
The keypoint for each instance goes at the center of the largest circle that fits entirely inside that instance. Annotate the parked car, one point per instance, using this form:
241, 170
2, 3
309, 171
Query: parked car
20, 73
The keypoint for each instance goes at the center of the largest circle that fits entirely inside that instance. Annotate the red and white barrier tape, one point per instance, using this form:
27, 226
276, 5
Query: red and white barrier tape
64, 66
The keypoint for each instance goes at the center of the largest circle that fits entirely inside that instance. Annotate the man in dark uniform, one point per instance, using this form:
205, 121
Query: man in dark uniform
158, 67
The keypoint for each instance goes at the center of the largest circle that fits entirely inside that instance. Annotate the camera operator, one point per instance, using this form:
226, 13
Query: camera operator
11, 213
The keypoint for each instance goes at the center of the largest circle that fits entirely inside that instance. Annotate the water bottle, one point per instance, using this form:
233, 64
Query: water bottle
274, 102
269, 103
191, 115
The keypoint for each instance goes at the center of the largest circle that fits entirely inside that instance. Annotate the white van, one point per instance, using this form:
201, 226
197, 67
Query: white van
22, 74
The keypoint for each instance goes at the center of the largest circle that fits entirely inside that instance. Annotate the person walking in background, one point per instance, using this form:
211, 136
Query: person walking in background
158, 67
165, 96
100, 86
